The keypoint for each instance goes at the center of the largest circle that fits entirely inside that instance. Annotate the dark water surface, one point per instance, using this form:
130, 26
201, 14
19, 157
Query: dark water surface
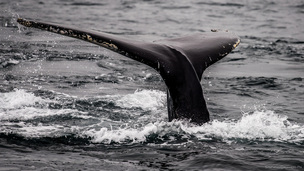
71, 105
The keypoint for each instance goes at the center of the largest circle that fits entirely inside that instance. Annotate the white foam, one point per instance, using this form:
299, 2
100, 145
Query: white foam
258, 126
145, 99
18, 98
21, 105
105, 135
135, 135
37, 131
28, 113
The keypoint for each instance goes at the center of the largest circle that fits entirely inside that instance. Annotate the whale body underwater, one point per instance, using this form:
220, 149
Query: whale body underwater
180, 62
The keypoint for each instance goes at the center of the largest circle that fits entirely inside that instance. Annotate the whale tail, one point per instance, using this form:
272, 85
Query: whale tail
180, 62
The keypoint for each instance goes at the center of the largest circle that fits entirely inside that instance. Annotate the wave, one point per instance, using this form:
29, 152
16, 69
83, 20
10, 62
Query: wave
258, 126
18, 99
26, 115
221, 4
145, 99
87, 4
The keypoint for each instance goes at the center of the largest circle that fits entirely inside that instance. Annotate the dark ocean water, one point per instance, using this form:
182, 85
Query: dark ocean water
71, 105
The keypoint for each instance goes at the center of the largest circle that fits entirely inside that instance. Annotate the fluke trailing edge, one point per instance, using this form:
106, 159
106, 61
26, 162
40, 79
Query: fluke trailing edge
180, 62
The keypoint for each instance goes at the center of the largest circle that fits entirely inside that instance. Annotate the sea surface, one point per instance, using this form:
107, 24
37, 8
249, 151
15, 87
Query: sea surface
69, 105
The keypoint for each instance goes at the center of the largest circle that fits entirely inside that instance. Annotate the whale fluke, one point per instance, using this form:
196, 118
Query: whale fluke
180, 62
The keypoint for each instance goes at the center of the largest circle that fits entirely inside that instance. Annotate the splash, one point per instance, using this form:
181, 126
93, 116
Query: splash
145, 99
19, 111
258, 126
21, 105
18, 99
25, 114
105, 135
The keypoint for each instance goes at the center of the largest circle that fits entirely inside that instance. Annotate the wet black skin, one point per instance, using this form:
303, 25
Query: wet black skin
180, 62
